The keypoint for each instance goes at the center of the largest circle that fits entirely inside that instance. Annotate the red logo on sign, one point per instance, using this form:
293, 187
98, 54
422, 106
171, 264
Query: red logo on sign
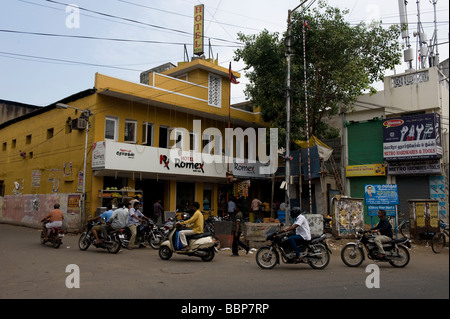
393, 123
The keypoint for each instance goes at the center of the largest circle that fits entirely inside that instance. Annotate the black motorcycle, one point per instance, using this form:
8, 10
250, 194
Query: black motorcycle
396, 250
111, 243
315, 251
149, 232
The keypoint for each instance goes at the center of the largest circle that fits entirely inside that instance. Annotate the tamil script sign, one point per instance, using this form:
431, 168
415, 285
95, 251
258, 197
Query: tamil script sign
381, 194
412, 137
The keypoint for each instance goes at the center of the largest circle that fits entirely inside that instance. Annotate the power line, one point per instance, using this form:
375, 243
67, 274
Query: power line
139, 22
26, 56
103, 38
187, 16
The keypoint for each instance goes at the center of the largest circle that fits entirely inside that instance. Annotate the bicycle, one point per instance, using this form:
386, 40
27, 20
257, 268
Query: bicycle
402, 226
439, 239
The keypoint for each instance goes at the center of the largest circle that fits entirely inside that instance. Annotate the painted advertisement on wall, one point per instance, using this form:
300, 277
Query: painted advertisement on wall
412, 137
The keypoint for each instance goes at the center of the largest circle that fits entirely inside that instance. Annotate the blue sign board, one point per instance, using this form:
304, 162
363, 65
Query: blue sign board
381, 194
391, 210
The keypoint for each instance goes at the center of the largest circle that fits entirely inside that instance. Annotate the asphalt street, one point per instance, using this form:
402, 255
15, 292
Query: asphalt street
29, 270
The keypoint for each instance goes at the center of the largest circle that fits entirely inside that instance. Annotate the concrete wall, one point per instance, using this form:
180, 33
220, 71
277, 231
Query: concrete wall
30, 209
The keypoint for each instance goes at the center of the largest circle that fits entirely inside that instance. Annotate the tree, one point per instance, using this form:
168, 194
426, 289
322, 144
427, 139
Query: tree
343, 62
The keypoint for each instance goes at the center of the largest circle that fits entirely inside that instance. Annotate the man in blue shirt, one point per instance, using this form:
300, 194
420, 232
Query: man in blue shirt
106, 215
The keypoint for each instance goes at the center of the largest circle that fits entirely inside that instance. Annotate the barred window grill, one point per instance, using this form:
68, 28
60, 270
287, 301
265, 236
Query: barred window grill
214, 90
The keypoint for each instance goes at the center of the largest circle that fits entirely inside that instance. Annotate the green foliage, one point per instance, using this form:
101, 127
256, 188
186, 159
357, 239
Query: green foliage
342, 62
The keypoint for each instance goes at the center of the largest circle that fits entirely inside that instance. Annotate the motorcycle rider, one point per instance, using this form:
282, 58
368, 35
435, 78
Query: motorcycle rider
106, 215
302, 232
55, 218
135, 217
118, 220
385, 229
197, 225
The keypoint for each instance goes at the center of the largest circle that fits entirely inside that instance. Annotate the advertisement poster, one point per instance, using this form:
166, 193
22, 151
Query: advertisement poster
412, 137
348, 216
437, 192
381, 194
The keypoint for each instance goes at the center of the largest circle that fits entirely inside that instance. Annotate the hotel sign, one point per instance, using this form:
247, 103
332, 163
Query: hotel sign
199, 18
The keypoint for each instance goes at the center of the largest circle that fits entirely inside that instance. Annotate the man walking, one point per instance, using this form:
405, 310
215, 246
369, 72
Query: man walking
238, 228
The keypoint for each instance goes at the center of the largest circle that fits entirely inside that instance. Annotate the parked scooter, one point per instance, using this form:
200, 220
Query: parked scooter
111, 243
55, 235
200, 245
397, 253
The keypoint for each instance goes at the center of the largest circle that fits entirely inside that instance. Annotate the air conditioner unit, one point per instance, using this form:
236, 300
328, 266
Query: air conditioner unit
79, 124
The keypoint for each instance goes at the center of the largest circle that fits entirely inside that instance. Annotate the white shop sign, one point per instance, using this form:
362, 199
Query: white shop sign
112, 155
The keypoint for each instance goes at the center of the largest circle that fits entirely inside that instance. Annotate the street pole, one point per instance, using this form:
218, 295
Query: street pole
288, 114
87, 113
288, 118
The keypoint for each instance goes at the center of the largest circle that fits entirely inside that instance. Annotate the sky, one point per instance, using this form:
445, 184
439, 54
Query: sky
49, 52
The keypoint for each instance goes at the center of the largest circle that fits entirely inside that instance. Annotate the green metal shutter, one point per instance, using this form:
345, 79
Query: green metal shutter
365, 143
365, 146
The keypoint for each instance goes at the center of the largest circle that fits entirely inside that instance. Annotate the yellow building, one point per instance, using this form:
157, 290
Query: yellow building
128, 146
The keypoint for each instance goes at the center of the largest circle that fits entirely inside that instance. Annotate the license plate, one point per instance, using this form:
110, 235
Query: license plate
121, 236
61, 235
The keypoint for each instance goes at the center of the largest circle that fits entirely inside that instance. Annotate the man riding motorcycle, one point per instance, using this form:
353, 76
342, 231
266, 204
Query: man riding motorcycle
302, 231
385, 230
55, 218
196, 221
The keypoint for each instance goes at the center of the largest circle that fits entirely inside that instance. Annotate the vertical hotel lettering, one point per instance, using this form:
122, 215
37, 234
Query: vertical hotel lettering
198, 29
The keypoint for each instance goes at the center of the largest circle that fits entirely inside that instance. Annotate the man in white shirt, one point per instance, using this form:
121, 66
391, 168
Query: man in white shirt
302, 231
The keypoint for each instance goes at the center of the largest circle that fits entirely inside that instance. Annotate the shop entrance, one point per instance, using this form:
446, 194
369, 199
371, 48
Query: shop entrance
152, 191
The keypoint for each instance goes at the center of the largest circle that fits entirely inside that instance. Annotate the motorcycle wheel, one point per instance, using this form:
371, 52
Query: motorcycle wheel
165, 253
438, 243
321, 262
42, 238
57, 242
209, 256
155, 240
352, 255
115, 246
84, 242
403, 258
267, 259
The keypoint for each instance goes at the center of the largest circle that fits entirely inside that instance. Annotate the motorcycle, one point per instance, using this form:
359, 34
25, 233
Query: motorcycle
147, 231
315, 251
111, 243
55, 235
396, 250
200, 245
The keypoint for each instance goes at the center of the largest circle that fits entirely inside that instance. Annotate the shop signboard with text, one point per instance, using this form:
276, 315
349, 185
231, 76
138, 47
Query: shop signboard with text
386, 194
414, 137
110, 155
